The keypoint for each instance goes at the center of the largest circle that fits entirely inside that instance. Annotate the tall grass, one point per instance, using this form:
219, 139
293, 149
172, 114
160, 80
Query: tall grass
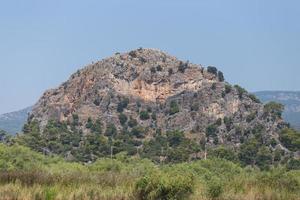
26, 175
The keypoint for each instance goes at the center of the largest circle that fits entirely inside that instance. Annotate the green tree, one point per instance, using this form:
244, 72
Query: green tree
212, 70
89, 123
144, 115
123, 118
111, 130
174, 108
274, 108
248, 151
132, 122
264, 158
290, 139
221, 76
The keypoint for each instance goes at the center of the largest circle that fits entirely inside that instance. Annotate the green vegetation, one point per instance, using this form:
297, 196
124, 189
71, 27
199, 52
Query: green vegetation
221, 76
254, 98
274, 109
212, 70
29, 175
228, 88
123, 118
144, 115
122, 105
241, 91
174, 108
182, 66
290, 139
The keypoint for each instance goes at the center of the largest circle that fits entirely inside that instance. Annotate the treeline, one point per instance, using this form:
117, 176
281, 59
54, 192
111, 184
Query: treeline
171, 147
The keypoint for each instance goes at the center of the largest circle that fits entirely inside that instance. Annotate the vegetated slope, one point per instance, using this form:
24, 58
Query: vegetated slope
26, 174
14, 121
151, 104
290, 100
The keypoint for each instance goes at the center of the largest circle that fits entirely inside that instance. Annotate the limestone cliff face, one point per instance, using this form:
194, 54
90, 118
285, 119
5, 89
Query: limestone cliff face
175, 95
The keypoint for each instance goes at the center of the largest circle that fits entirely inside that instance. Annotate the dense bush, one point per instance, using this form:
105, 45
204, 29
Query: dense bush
111, 130
212, 70
290, 139
30, 175
224, 153
228, 88
182, 66
144, 115
123, 118
241, 91
174, 108
132, 122
254, 98
221, 76
122, 104
167, 185
274, 108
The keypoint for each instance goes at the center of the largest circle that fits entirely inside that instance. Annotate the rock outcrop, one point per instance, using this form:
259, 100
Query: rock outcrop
162, 93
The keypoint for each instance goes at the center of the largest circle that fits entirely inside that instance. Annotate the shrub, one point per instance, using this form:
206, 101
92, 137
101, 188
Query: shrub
138, 131
251, 117
159, 68
195, 107
290, 139
75, 119
227, 88
224, 153
168, 185
228, 121
254, 98
211, 130
144, 115
174, 108
122, 104
213, 86
97, 102
214, 189
111, 130
89, 123
274, 108
221, 76
293, 164
212, 70
133, 54
153, 70
248, 152
263, 158
132, 122
123, 118
153, 116
219, 122
97, 127
182, 66
241, 91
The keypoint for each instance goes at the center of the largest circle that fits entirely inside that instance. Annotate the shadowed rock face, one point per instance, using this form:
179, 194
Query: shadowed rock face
175, 94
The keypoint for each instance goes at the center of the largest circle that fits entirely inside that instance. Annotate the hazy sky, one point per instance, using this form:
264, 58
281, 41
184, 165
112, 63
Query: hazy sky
256, 43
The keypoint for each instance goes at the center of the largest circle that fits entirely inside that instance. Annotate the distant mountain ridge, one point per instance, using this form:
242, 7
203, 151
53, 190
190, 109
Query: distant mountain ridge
291, 101
13, 122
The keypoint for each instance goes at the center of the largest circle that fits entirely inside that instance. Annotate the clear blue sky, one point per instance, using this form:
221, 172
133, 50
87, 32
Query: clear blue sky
256, 43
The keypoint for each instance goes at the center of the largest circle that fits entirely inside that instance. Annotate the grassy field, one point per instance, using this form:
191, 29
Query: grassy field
28, 175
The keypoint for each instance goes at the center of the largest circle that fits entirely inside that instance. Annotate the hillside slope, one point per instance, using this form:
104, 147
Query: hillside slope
137, 100
13, 122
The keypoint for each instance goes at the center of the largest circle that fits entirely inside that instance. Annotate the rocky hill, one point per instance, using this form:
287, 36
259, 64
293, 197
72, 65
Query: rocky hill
14, 121
290, 100
145, 95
